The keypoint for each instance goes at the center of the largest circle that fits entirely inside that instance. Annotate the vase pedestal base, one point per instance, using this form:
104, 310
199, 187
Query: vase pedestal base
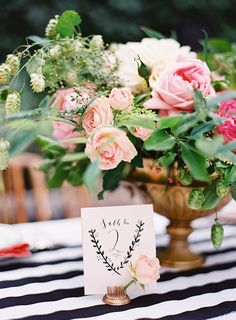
177, 254
181, 260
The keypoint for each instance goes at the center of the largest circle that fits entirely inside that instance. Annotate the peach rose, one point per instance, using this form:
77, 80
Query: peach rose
69, 99
146, 270
110, 146
173, 91
121, 99
62, 130
142, 133
97, 114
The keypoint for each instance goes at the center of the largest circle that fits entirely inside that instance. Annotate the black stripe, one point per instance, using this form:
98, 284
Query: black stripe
142, 301
146, 301
166, 276
30, 264
39, 279
206, 313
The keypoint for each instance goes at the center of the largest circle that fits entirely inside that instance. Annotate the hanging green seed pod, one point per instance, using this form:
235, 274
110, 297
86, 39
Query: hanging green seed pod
4, 73
185, 177
144, 70
217, 234
50, 30
14, 64
12, 103
196, 199
4, 148
221, 188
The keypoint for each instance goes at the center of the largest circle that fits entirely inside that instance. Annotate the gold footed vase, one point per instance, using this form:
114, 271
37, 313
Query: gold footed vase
173, 204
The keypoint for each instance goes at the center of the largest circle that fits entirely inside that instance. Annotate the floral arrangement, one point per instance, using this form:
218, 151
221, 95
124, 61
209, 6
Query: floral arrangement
106, 108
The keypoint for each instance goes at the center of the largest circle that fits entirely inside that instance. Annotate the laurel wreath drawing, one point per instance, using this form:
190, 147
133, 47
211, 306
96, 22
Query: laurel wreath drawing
106, 261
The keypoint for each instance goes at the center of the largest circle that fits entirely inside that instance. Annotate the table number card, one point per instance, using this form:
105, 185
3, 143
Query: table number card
114, 237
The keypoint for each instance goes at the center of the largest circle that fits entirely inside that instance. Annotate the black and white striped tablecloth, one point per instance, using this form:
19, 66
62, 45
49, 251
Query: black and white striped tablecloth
49, 286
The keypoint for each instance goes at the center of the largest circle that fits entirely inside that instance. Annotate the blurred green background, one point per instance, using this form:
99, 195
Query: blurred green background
119, 20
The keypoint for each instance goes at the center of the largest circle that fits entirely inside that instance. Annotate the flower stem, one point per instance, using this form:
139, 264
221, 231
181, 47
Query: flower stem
129, 284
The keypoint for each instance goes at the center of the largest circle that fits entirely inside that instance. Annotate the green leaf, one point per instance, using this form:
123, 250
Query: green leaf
200, 105
196, 162
204, 127
168, 122
21, 142
38, 40
187, 122
228, 147
167, 159
209, 146
230, 175
91, 174
49, 147
137, 161
74, 157
67, 22
46, 165
211, 198
75, 176
152, 33
217, 45
160, 141
136, 121
111, 179
60, 174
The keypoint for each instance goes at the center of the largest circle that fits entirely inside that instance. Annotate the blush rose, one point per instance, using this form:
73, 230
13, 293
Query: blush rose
98, 114
142, 133
173, 91
146, 270
109, 146
121, 99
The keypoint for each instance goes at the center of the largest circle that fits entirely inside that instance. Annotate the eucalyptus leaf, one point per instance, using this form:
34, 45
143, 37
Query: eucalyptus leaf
187, 122
160, 141
202, 128
21, 141
209, 146
74, 157
195, 162
35, 65
90, 175
136, 121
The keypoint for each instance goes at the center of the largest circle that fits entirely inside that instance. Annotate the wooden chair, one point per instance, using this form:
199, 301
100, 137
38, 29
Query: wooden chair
24, 184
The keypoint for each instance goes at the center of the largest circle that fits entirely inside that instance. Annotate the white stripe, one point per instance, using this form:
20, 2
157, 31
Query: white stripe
42, 287
230, 316
43, 270
157, 310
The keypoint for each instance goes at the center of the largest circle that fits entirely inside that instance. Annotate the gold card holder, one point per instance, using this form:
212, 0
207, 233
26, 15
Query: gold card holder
116, 296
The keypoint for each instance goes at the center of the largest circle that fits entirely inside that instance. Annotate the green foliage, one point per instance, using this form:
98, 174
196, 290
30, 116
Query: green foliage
111, 179
152, 33
195, 162
160, 141
67, 23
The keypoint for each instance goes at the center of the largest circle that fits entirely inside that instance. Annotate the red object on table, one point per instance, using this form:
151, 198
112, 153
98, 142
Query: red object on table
16, 251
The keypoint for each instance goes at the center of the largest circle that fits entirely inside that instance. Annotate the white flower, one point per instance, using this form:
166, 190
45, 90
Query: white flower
50, 30
55, 51
12, 103
37, 82
96, 42
14, 64
4, 73
157, 54
4, 147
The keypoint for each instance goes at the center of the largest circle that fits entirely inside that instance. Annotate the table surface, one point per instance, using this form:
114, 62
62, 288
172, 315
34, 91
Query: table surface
49, 285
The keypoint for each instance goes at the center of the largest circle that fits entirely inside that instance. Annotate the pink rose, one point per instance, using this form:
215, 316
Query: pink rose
146, 270
121, 99
142, 133
97, 114
69, 99
173, 91
110, 146
228, 127
62, 130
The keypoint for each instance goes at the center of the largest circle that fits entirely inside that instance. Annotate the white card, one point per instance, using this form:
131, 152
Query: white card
114, 237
